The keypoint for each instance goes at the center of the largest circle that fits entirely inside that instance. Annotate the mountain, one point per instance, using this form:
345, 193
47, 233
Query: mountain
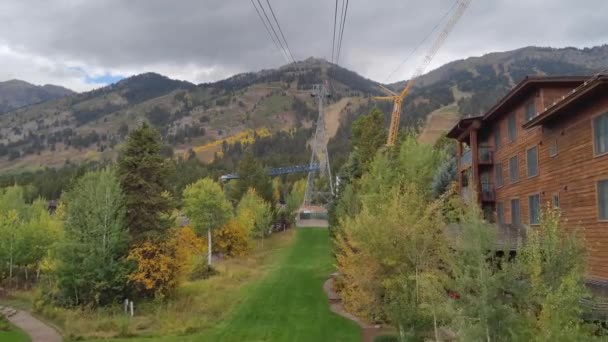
207, 118
16, 93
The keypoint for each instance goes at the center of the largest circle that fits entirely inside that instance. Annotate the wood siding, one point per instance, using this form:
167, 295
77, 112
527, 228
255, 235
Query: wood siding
572, 173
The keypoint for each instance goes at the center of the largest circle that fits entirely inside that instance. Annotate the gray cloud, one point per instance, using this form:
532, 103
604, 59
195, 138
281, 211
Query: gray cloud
204, 40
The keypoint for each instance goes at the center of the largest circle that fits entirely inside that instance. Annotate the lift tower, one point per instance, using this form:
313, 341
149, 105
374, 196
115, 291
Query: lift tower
319, 156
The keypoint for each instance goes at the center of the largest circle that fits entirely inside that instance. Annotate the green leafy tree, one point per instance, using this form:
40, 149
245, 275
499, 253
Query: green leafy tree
551, 266
92, 268
143, 173
368, 134
485, 310
207, 208
252, 175
254, 214
27, 232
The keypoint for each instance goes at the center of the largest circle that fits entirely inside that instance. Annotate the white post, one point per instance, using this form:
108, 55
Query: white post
131, 307
209, 247
126, 306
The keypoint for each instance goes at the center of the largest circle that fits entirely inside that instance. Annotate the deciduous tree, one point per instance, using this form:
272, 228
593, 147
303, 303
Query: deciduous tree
207, 208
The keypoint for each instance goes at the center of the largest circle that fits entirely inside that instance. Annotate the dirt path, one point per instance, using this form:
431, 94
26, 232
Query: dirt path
333, 113
369, 331
36, 329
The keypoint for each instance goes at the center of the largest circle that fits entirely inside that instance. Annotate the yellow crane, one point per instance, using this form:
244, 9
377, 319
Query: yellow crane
397, 99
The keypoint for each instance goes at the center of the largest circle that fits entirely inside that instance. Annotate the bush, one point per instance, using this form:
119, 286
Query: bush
232, 240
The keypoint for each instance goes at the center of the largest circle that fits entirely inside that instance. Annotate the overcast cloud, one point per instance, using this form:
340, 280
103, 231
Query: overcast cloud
83, 44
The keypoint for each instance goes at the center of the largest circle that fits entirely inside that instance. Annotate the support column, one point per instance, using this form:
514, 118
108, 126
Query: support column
475, 182
458, 168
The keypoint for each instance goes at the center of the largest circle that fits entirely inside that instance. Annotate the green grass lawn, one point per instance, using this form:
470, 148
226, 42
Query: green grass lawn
14, 335
288, 304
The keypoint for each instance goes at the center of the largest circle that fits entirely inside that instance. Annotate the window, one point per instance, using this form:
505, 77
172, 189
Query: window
553, 148
532, 161
534, 209
600, 134
498, 175
530, 111
556, 201
512, 127
515, 213
513, 170
602, 199
497, 138
500, 213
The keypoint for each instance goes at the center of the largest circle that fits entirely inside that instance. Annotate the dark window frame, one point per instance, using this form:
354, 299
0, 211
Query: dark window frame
511, 180
537, 222
518, 211
499, 175
594, 124
602, 214
500, 214
528, 162
529, 110
553, 148
497, 138
512, 127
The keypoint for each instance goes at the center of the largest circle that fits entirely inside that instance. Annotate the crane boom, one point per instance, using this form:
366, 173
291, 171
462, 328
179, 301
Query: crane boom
398, 99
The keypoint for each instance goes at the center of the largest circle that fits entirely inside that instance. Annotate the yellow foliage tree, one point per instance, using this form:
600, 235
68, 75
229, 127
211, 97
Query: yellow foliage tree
163, 266
232, 240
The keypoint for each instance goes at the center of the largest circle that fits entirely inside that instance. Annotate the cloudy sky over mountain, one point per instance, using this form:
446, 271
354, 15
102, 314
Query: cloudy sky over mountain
83, 44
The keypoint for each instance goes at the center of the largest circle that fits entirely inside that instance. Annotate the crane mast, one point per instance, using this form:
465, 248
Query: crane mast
430, 54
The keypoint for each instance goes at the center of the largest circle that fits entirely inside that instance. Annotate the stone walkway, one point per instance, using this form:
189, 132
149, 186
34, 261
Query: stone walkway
36, 329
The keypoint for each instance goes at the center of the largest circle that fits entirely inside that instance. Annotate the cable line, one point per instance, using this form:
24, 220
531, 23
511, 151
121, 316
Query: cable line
273, 30
333, 42
345, 8
421, 42
268, 30
280, 30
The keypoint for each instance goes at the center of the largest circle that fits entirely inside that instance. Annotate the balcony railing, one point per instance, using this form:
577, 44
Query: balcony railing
466, 159
487, 192
486, 155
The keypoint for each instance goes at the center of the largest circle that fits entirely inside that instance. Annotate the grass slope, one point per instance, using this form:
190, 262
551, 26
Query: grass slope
14, 335
288, 304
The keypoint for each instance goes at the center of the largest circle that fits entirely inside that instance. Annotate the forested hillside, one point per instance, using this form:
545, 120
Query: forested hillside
92, 125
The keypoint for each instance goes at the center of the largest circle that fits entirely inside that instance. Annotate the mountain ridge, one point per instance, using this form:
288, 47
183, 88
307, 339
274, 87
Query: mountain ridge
93, 124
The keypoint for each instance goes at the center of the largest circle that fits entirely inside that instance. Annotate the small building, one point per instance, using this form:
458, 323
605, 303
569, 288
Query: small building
544, 143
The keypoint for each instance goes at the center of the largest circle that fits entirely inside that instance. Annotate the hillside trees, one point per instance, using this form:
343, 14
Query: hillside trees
92, 267
391, 252
252, 175
255, 214
26, 233
368, 134
207, 208
143, 173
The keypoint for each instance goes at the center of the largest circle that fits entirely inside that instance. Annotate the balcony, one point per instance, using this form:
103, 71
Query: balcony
486, 156
466, 159
487, 192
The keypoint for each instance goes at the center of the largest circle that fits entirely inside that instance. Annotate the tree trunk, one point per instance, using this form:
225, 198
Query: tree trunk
435, 326
209, 247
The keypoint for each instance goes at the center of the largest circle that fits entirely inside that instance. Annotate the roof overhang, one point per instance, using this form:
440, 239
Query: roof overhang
591, 87
530, 83
462, 126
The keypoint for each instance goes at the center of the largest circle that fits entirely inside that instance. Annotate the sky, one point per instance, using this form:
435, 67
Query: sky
85, 44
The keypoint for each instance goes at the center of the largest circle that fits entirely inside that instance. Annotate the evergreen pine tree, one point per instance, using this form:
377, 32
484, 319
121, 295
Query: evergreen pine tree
143, 172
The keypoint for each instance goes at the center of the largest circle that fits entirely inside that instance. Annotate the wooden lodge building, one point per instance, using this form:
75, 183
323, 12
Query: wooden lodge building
544, 143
